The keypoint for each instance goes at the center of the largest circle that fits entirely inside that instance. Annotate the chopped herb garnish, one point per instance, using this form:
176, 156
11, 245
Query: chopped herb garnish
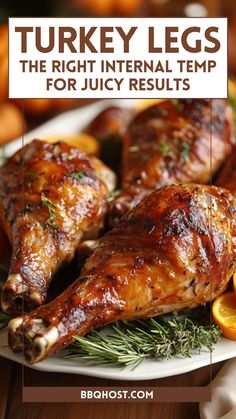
86, 278
164, 148
113, 195
185, 147
130, 216
33, 175
78, 175
52, 208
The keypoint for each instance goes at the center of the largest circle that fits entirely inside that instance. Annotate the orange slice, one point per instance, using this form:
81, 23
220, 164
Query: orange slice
224, 314
83, 141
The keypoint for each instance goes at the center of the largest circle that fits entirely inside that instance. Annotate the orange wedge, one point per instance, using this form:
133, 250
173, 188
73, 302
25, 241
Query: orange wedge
224, 314
83, 141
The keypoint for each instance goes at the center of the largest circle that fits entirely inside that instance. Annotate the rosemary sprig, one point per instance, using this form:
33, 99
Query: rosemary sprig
131, 342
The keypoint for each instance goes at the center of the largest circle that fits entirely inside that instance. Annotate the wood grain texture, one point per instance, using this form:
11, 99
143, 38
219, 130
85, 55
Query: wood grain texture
13, 408
5, 383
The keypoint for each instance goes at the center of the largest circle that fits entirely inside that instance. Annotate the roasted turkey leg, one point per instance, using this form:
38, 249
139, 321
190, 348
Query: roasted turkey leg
176, 249
52, 197
176, 141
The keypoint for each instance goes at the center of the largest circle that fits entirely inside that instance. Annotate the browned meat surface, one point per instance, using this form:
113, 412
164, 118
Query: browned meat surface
109, 127
176, 249
52, 197
171, 143
110, 122
227, 175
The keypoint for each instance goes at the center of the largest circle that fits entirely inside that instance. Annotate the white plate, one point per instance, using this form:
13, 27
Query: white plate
147, 370
71, 123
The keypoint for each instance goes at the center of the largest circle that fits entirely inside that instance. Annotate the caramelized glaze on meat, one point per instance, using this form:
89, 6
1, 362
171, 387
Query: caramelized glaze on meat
176, 249
111, 121
178, 141
52, 197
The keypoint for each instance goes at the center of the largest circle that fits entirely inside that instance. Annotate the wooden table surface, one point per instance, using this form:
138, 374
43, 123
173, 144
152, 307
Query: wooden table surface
11, 406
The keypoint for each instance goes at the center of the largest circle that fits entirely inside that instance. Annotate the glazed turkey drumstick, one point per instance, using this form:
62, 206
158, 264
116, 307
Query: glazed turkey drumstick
171, 143
52, 197
176, 249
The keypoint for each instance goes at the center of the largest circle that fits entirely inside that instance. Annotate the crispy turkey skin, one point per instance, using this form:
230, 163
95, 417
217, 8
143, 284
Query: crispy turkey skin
176, 249
176, 141
53, 196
